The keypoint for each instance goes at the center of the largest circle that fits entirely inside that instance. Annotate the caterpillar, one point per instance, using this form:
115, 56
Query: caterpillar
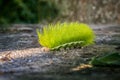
65, 35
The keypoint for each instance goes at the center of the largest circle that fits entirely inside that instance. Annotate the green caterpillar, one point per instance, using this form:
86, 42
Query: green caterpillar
63, 35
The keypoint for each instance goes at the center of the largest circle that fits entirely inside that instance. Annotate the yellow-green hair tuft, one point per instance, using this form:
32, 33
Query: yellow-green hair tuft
55, 35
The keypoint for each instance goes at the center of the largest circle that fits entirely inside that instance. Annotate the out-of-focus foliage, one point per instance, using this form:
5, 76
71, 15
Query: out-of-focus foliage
35, 11
47, 10
18, 11
26, 11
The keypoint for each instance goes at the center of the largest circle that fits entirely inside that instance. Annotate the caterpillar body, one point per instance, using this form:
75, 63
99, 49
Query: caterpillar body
68, 45
65, 35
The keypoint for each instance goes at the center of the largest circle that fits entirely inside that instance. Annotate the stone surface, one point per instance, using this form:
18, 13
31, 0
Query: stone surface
57, 64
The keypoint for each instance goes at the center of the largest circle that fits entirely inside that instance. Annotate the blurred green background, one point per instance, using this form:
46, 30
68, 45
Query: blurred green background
38, 11
26, 11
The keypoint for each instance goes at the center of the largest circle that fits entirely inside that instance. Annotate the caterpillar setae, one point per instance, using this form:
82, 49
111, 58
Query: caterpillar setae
63, 35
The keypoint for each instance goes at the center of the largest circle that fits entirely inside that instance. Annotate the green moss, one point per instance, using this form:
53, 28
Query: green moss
55, 35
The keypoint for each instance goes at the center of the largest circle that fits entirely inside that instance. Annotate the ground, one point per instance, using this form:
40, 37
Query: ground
26, 61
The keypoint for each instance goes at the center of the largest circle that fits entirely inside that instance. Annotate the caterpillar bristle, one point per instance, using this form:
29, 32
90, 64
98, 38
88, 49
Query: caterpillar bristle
66, 35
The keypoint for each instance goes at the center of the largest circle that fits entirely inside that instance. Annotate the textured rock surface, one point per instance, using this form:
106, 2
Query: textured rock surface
57, 63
